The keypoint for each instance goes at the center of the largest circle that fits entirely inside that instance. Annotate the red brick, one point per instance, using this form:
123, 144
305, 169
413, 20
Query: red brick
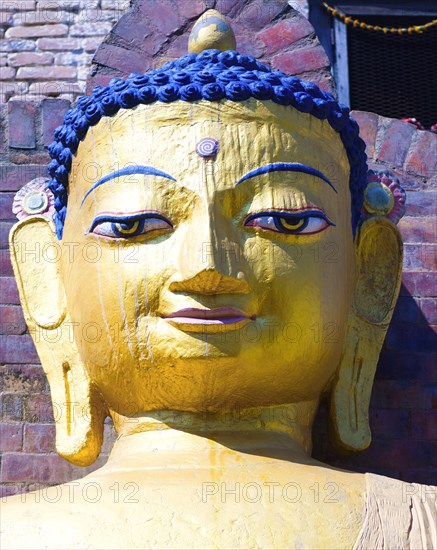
396, 365
7, 73
299, 61
117, 4
390, 421
135, 31
39, 438
14, 45
42, 17
422, 156
422, 203
23, 379
6, 19
394, 394
55, 88
35, 468
162, 16
30, 58
21, 121
121, 59
284, 33
59, 44
5, 227
388, 453
11, 437
249, 44
31, 157
13, 177
46, 73
413, 230
6, 200
428, 307
18, 349
410, 338
368, 123
420, 283
11, 89
53, 111
5, 264
395, 141
91, 44
2, 128
35, 31
66, 4
257, 14
420, 257
18, 5
38, 408
8, 290
424, 424
90, 29
11, 407
12, 320
177, 49
406, 311
99, 79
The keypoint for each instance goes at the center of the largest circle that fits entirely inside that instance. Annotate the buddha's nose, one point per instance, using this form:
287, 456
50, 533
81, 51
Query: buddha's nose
211, 259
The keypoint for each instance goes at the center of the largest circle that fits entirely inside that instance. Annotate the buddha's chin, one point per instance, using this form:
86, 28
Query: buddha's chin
176, 341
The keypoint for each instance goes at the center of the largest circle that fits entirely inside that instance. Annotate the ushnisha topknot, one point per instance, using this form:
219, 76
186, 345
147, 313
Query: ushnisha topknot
212, 75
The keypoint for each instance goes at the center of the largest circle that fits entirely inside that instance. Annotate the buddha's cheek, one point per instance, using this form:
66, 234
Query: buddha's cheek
110, 290
305, 292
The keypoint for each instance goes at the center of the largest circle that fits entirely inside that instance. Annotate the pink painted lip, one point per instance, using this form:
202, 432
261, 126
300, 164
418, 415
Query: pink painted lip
216, 316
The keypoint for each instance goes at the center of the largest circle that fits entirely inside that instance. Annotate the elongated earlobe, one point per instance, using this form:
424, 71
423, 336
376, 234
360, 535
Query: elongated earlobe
379, 262
78, 410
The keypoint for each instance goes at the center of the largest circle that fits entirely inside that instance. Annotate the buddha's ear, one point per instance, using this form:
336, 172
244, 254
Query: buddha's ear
36, 259
378, 249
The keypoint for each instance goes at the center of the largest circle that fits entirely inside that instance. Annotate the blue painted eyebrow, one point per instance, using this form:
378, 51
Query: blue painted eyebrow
128, 171
286, 167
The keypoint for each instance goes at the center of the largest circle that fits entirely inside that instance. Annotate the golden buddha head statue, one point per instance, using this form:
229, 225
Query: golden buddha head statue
215, 246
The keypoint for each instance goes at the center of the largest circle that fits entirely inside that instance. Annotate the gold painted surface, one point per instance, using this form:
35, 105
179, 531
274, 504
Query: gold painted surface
211, 31
229, 407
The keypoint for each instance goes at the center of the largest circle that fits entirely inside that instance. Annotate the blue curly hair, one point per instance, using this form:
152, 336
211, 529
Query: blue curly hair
213, 76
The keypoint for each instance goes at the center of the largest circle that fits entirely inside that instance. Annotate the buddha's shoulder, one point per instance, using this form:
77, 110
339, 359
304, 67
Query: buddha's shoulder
58, 517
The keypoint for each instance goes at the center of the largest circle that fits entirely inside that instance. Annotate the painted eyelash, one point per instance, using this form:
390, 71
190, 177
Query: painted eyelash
111, 218
307, 212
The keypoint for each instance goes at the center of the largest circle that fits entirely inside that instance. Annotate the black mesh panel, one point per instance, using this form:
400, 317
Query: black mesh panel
392, 75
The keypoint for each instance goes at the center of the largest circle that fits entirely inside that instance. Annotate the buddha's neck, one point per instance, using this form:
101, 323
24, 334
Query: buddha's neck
278, 431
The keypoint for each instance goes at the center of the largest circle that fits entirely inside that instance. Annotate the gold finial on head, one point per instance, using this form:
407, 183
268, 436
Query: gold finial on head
211, 31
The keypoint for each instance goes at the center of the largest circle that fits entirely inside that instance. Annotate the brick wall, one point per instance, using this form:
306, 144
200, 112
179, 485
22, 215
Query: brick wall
403, 409
46, 46
404, 402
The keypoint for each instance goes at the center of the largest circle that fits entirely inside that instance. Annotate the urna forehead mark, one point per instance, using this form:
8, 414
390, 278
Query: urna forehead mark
128, 171
207, 147
286, 167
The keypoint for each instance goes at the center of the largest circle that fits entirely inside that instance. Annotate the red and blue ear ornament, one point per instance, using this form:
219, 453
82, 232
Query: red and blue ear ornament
383, 196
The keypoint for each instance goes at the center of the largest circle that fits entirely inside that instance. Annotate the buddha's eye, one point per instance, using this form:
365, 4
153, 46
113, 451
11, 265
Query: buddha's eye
306, 222
126, 227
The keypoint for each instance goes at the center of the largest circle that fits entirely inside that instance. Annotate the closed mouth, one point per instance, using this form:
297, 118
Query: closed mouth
215, 316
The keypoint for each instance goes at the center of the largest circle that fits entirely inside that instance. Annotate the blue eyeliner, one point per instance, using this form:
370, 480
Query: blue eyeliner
128, 218
286, 167
128, 171
287, 214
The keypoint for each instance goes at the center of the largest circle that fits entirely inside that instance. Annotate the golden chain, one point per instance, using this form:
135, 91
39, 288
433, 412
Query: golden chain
348, 20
